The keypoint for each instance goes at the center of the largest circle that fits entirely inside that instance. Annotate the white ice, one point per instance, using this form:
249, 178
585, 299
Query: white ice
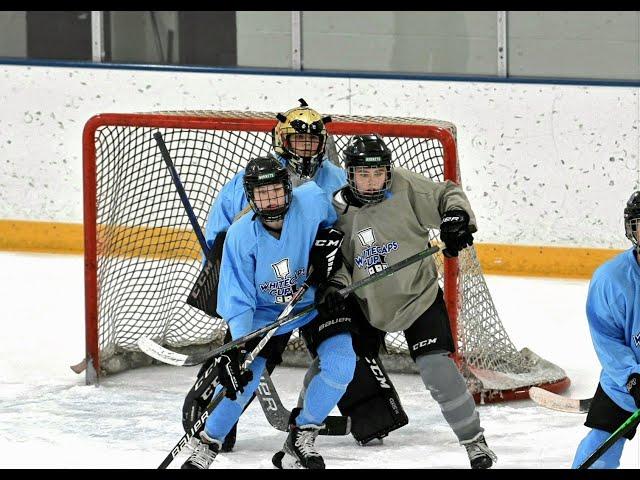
50, 419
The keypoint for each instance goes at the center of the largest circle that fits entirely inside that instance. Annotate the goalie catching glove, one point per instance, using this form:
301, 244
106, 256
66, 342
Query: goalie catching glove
230, 373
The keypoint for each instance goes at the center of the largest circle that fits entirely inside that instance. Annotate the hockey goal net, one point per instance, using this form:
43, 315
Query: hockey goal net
142, 257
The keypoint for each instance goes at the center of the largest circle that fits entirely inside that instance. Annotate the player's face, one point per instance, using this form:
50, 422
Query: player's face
269, 197
370, 180
303, 144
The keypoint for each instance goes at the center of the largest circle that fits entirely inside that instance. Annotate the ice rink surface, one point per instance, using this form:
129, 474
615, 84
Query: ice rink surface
50, 419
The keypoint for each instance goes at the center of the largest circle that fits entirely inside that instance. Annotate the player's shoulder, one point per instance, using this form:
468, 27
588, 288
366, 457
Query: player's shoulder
330, 167
236, 182
406, 177
308, 190
614, 270
242, 232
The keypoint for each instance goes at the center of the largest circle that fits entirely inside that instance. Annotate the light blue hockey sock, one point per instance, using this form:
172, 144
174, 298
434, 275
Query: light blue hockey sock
227, 413
337, 364
589, 444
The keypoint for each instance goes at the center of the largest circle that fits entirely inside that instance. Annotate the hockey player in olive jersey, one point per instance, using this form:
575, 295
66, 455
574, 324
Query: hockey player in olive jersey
386, 215
614, 322
265, 260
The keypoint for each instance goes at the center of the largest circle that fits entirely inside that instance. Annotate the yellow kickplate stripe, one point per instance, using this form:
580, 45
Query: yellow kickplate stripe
42, 237
542, 261
149, 242
164, 243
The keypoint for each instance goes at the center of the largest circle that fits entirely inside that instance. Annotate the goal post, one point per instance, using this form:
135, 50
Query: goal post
142, 257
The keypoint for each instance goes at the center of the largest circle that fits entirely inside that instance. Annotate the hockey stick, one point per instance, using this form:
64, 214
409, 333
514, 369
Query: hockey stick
183, 195
278, 415
551, 400
284, 316
339, 424
209, 274
628, 424
251, 356
165, 355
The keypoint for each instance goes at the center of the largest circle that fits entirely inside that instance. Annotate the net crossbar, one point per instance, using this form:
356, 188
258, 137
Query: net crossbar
142, 256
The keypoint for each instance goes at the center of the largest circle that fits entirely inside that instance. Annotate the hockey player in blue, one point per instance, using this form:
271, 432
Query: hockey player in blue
299, 142
614, 321
265, 260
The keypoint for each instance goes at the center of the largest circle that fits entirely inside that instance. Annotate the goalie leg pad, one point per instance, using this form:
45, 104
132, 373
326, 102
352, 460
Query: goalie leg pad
371, 399
372, 402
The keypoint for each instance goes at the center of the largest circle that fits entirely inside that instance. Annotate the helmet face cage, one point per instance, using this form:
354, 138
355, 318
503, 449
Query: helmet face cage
264, 174
632, 219
365, 152
631, 229
373, 196
300, 137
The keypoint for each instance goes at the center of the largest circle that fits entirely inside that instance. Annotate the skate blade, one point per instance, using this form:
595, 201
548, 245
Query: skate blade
284, 461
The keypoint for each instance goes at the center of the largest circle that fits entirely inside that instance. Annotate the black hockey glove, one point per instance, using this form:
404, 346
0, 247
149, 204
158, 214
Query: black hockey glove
455, 232
325, 256
633, 387
230, 375
329, 302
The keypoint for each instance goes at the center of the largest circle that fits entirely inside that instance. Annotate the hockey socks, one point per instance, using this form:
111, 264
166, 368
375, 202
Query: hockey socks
337, 363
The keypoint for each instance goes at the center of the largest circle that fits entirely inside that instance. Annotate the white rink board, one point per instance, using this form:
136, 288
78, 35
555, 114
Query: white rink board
541, 164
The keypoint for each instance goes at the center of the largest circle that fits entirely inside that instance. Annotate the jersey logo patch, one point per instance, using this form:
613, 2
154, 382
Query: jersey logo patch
636, 339
373, 257
286, 284
281, 268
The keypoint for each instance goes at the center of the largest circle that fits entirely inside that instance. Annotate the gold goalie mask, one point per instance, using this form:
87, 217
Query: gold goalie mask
300, 137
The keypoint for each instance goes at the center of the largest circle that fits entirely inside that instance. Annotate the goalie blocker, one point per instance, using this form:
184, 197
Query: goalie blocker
204, 293
371, 400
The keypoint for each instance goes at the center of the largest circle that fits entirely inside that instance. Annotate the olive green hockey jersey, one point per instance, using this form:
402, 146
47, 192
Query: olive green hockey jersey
385, 233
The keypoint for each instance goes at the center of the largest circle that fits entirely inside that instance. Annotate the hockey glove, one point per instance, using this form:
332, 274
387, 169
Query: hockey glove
633, 387
329, 302
230, 374
325, 256
455, 232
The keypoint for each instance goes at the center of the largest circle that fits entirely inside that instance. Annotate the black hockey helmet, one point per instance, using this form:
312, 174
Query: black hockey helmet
632, 218
262, 171
300, 137
367, 151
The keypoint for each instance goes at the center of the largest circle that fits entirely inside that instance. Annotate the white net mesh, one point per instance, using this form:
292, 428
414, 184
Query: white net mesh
148, 257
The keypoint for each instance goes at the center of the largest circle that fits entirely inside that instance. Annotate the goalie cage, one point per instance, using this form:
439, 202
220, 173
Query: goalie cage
142, 257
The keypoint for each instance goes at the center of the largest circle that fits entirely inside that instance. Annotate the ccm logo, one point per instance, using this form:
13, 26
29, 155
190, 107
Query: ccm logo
424, 343
377, 372
327, 243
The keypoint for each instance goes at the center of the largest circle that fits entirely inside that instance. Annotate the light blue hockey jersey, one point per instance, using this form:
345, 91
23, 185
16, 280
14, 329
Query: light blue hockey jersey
613, 311
259, 273
231, 199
